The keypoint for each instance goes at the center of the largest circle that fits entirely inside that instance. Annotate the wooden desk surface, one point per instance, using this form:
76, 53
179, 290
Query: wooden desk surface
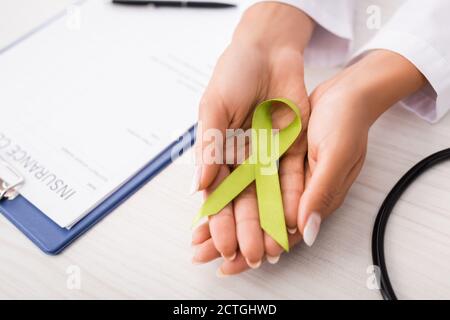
142, 250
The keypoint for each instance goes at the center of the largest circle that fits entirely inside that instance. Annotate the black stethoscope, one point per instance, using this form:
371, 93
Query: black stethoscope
381, 221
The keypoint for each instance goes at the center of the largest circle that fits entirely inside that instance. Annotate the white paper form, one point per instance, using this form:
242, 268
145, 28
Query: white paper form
85, 105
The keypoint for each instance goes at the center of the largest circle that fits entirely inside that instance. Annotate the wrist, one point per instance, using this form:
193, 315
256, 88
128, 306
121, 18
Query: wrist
373, 84
272, 26
381, 79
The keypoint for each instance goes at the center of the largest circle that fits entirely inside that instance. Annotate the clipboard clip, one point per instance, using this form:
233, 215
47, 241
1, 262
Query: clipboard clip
10, 181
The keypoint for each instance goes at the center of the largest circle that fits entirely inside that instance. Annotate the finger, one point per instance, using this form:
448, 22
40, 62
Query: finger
222, 225
212, 123
292, 179
201, 234
239, 264
248, 230
294, 239
236, 266
324, 189
272, 248
205, 252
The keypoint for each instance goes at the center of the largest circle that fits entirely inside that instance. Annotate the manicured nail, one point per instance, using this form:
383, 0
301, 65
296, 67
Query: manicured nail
230, 258
220, 274
196, 179
254, 265
292, 230
273, 260
312, 228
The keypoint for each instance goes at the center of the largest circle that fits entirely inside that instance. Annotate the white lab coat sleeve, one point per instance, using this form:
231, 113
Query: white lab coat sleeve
419, 31
330, 42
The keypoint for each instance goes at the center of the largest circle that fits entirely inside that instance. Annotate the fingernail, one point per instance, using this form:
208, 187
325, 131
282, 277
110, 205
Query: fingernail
220, 274
229, 258
312, 228
254, 265
196, 179
292, 230
273, 260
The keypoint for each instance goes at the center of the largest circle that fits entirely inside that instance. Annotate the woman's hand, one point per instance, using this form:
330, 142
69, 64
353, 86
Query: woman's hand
342, 112
337, 140
263, 61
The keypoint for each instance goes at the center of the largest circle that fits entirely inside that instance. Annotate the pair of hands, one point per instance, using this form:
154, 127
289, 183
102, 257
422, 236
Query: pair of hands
264, 61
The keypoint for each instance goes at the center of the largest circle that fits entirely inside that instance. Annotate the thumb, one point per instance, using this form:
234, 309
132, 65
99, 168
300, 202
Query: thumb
212, 124
323, 193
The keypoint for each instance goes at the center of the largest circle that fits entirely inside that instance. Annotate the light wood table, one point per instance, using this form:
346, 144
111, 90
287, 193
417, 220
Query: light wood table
142, 250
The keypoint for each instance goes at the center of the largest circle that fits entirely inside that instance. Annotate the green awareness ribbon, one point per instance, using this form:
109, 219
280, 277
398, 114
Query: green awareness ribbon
260, 166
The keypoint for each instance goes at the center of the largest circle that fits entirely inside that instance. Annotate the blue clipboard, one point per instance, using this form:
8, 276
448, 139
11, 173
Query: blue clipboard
51, 238
47, 235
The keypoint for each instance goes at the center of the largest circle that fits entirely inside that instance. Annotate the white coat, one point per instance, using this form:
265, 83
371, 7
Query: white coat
419, 30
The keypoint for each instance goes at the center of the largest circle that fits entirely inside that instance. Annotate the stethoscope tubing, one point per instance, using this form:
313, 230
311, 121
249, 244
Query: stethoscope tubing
379, 229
